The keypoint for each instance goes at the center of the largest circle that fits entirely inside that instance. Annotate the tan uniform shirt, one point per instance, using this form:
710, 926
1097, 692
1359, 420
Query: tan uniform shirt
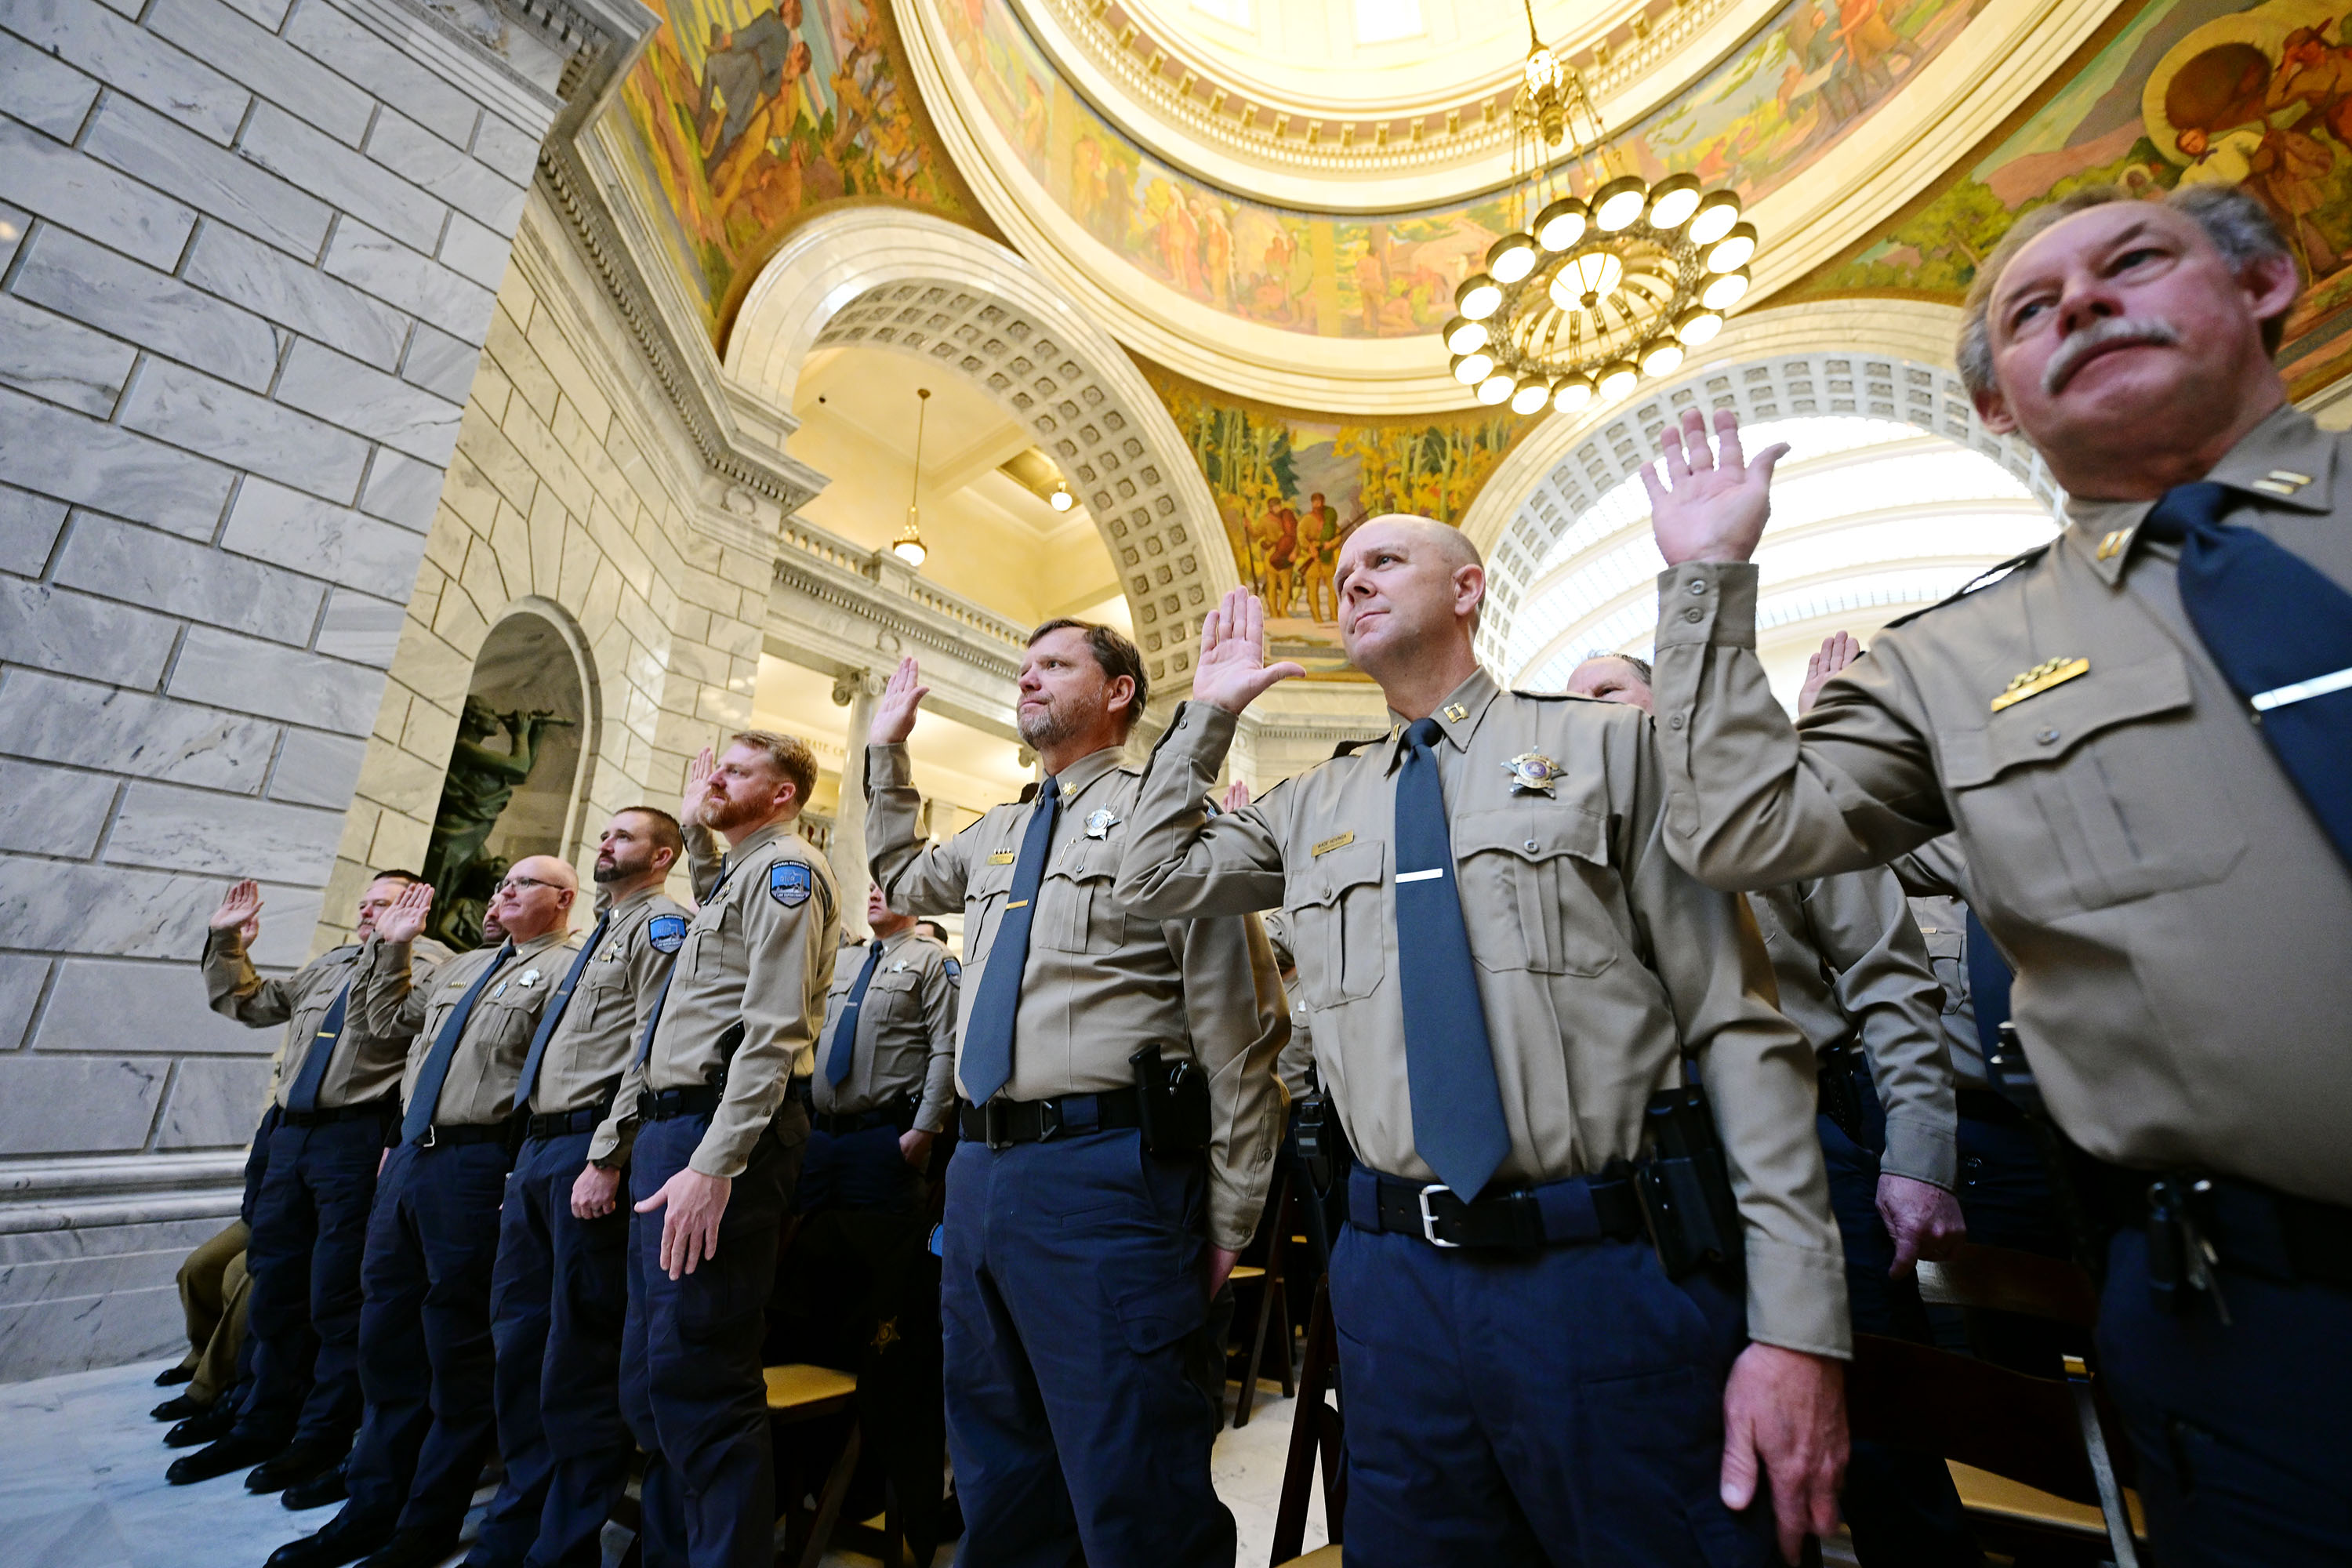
596, 1039
759, 953
366, 1065
905, 1045
1100, 985
1853, 970
1599, 962
2178, 918
1943, 925
1297, 1061
479, 1089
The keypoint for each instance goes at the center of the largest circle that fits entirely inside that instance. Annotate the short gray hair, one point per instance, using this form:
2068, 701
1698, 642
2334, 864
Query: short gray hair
2239, 225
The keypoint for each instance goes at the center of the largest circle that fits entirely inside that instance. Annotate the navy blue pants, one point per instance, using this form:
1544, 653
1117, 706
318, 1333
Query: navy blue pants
690, 1368
425, 1359
558, 1298
2245, 1459
1072, 1299
2006, 1196
858, 1171
309, 1225
1562, 1407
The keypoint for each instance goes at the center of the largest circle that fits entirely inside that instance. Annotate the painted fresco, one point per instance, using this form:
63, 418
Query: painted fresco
743, 116
1291, 487
1804, 82
2189, 92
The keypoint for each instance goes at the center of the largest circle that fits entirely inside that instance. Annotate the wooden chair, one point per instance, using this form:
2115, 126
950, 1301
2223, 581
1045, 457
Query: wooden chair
2046, 1434
1318, 1442
1267, 1275
798, 1392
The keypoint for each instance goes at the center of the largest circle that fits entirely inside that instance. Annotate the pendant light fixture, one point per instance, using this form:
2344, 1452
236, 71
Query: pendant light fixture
908, 546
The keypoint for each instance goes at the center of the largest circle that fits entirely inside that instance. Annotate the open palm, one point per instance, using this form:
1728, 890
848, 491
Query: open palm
405, 920
1232, 672
1711, 503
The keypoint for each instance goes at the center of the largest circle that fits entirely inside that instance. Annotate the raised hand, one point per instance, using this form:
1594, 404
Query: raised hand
1712, 502
894, 716
1232, 672
1235, 796
404, 921
1838, 650
240, 907
698, 769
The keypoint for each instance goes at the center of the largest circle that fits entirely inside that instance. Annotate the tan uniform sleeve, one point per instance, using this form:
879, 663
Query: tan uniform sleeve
1936, 869
649, 969
1886, 983
939, 996
1180, 862
616, 1135
234, 989
788, 954
386, 995
1760, 1080
1234, 1009
705, 860
916, 877
1748, 803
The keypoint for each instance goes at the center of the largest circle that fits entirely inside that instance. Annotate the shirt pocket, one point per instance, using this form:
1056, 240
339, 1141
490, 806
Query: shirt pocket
704, 956
2093, 792
602, 997
1076, 912
1337, 908
985, 894
1531, 881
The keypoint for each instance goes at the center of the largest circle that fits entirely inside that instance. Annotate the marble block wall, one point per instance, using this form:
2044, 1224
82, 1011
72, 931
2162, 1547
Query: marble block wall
249, 252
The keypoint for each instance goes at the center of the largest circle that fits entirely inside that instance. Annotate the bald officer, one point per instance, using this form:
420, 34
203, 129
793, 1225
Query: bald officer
2142, 736
426, 1358
334, 1096
718, 1145
1504, 972
561, 1280
1075, 1287
1852, 973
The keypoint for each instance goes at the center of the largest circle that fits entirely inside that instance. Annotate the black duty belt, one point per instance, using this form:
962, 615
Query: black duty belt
1990, 1105
1003, 1122
698, 1100
840, 1123
447, 1135
1582, 1208
2264, 1231
563, 1123
382, 1110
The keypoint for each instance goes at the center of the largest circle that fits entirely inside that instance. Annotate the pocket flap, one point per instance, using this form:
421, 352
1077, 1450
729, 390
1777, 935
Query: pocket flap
1158, 1315
895, 978
1536, 831
1327, 876
2048, 726
1085, 860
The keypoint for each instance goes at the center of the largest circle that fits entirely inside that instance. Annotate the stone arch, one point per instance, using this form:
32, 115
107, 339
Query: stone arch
884, 278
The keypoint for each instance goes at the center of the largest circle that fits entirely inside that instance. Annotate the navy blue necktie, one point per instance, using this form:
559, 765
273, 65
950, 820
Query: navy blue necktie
988, 1029
843, 1053
653, 1019
436, 1070
1989, 980
1457, 1106
304, 1095
2281, 632
554, 1015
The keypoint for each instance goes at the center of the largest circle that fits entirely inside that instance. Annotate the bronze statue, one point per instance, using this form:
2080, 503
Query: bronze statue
479, 783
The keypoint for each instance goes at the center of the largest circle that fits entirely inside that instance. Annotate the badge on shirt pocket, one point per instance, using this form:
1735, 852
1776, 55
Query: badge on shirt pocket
789, 884
667, 933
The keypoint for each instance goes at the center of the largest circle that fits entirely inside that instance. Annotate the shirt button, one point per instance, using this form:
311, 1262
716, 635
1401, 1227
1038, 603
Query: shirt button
2048, 737
1693, 614
1699, 585
1674, 723
1531, 844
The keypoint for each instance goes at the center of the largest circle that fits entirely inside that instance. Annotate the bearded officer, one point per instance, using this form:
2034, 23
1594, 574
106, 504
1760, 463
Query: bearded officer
2142, 736
1504, 972
562, 1282
719, 1144
1082, 1246
335, 1096
425, 1356
1852, 973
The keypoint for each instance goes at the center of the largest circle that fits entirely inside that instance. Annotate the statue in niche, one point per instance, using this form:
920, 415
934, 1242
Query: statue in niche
479, 783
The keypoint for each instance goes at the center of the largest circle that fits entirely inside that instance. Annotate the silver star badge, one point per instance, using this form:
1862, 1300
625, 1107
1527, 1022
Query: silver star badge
1532, 772
527, 979
1100, 823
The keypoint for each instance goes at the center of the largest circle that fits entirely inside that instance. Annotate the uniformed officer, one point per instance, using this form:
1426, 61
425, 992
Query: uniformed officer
1852, 973
716, 1148
1075, 1290
557, 1293
1504, 971
2142, 736
334, 1090
425, 1349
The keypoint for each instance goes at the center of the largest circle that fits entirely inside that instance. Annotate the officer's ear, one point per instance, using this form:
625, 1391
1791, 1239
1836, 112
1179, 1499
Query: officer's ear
1993, 412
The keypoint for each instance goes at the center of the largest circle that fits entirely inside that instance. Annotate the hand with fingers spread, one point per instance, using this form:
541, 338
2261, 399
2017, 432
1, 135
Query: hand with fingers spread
1784, 1415
698, 770
404, 921
1235, 796
239, 910
894, 715
1837, 651
1232, 672
1711, 502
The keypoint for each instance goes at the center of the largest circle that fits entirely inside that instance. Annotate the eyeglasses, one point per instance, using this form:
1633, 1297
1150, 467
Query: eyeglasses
517, 884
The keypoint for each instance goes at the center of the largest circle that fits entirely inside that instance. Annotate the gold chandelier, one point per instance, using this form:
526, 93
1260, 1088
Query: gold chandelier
1600, 289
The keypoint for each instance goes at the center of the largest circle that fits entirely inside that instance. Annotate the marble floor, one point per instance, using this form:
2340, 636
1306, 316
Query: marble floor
81, 1485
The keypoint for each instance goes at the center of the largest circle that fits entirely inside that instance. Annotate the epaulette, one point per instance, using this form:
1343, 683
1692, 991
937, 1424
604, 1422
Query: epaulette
1555, 696
1350, 748
1982, 580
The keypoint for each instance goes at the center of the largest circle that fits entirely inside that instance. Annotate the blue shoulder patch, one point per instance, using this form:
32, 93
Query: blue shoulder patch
955, 970
667, 933
789, 883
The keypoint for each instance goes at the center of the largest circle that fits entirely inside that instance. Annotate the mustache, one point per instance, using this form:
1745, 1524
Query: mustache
2104, 334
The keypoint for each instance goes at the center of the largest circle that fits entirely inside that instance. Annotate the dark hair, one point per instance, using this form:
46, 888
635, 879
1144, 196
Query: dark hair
666, 834
932, 928
788, 756
1112, 652
394, 875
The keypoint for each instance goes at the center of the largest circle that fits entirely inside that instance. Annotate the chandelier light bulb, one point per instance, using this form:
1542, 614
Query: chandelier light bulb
1061, 499
1571, 393
1512, 258
1479, 297
1543, 72
1673, 201
1615, 380
1470, 369
1562, 224
1592, 276
1617, 203
1724, 290
1731, 252
1531, 396
1497, 387
1718, 212
1698, 327
911, 552
1462, 335
1663, 357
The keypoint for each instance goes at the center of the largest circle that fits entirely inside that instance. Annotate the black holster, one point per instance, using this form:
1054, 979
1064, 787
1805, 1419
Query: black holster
1685, 1184
1319, 1142
1172, 1100
1839, 1100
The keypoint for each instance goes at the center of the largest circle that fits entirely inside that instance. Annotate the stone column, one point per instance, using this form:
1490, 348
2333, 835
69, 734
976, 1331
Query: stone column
855, 691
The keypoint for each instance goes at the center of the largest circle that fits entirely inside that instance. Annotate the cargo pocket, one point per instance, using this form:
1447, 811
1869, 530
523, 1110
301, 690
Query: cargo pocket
1539, 863
1153, 1317
1076, 912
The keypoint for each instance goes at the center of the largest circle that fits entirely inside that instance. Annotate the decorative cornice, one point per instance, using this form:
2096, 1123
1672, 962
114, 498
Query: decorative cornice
867, 599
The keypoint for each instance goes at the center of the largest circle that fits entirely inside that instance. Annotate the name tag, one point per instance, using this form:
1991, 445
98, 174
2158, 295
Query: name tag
1337, 841
2050, 672
1005, 857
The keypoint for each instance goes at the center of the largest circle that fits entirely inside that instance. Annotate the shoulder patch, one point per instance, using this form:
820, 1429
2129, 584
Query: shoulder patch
955, 970
666, 933
790, 883
1977, 583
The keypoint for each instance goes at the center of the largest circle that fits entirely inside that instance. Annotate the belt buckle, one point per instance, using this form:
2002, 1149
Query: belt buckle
429, 1140
1049, 1121
992, 1117
1429, 1217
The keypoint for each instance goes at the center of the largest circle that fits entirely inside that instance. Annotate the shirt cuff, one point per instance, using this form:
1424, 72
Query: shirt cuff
1796, 1299
887, 766
1202, 731
1923, 1149
1703, 602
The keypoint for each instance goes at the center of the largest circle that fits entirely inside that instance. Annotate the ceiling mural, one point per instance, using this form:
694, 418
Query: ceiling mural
744, 116
1291, 487
1799, 87
2188, 90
